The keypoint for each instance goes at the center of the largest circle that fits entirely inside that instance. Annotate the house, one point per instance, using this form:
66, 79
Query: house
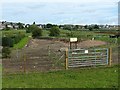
2, 26
10, 26
40, 26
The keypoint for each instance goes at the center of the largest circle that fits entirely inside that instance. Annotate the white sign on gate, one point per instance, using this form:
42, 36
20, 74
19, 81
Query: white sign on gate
86, 51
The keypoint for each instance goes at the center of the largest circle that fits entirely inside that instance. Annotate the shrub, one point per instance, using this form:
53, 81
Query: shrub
54, 31
31, 28
37, 32
6, 52
7, 41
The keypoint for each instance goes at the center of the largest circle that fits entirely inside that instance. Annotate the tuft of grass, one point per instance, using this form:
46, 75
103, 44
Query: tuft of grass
76, 78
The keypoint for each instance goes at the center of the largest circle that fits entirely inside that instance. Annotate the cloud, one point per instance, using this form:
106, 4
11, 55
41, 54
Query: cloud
89, 11
61, 12
36, 6
80, 1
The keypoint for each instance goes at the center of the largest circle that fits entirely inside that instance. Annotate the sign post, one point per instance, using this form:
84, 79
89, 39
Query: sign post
73, 43
66, 58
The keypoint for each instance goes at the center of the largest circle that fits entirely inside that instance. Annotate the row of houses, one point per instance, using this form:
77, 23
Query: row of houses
92, 25
10, 25
16, 26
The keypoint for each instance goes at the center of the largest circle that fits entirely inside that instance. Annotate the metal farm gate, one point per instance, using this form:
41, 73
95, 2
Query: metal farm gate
87, 57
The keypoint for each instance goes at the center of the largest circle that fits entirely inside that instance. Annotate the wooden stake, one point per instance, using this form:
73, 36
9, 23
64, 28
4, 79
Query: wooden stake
110, 56
66, 58
24, 64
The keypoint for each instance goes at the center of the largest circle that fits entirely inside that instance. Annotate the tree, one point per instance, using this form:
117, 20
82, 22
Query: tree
86, 26
20, 25
67, 27
49, 25
36, 32
96, 26
54, 31
34, 23
90, 28
76, 27
30, 28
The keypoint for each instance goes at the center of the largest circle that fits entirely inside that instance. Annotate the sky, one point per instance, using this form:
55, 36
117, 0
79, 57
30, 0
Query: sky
60, 11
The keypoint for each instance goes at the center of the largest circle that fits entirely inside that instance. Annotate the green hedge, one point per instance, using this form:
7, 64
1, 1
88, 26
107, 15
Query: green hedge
10, 41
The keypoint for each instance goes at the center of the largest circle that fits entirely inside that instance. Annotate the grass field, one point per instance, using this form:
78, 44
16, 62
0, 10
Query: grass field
83, 35
76, 78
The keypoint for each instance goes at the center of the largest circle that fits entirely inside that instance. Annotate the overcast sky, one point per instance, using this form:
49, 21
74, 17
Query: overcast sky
60, 11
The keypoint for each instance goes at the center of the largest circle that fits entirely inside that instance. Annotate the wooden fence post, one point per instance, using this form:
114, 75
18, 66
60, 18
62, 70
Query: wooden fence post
48, 50
110, 56
66, 58
24, 64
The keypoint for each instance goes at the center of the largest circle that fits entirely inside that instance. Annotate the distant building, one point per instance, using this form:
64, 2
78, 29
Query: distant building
40, 26
2, 26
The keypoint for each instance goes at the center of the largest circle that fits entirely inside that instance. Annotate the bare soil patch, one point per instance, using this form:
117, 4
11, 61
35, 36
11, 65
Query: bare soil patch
37, 55
91, 43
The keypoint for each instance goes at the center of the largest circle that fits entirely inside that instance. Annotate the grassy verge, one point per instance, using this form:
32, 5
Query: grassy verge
22, 43
77, 78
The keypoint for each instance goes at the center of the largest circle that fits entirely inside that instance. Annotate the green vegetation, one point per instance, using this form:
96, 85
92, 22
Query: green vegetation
6, 52
54, 31
45, 33
77, 78
22, 43
30, 28
106, 39
0, 76
36, 31
11, 32
13, 39
19, 38
106, 77
81, 35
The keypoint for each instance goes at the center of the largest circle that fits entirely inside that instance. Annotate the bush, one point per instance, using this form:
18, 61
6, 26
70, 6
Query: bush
90, 28
7, 41
31, 28
106, 39
6, 52
54, 31
37, 32
71, 34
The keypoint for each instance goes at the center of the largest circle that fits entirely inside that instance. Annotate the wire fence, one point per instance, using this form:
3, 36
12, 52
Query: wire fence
49, 58
34, 60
